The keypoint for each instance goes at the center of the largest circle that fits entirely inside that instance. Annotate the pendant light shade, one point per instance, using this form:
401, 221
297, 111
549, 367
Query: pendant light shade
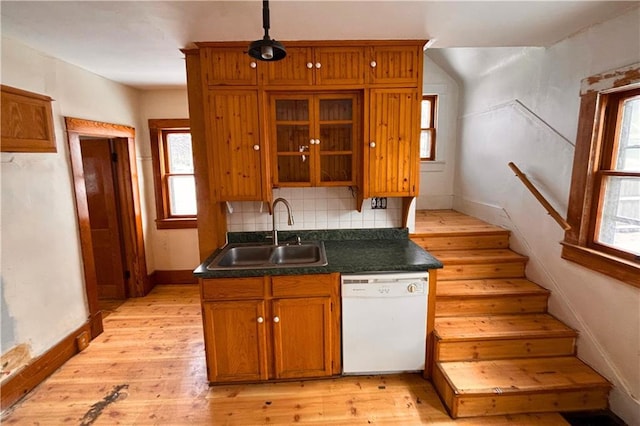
266, 49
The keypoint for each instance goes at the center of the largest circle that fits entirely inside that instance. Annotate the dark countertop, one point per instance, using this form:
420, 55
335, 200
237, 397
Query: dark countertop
348, 251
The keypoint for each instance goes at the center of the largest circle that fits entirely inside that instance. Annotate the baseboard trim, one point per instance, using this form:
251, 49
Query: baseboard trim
16, 387
182, 276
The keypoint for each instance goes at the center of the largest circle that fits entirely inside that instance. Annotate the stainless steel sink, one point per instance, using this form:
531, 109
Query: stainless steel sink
262, 256
296, 254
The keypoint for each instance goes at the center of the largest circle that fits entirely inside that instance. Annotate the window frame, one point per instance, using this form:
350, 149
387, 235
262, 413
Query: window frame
158, 129
434, 106
595, 141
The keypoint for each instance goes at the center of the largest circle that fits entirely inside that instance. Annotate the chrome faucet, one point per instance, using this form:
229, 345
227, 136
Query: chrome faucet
274, 231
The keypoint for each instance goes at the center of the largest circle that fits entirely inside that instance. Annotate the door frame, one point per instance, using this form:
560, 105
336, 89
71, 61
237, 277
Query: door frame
130, 209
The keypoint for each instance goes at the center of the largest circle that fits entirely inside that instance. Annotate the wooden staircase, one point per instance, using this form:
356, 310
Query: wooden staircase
497, 350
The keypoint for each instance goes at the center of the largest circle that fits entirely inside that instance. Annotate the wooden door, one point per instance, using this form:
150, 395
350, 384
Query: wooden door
393, 151
397, 65
235, 340
296, 69
339, 66
235, 151
302, 337
103, 217
229, 66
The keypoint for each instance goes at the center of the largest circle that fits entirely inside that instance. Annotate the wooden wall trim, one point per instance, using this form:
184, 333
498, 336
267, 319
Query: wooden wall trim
182, 276
97, 128
16, 387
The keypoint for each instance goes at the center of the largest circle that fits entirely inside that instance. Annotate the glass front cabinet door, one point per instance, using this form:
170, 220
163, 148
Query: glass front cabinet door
314, 138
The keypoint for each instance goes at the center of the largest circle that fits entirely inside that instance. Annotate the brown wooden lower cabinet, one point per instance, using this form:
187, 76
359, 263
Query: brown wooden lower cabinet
280, 327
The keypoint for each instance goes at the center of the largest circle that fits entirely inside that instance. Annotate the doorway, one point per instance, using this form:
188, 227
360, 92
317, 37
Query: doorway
108, 206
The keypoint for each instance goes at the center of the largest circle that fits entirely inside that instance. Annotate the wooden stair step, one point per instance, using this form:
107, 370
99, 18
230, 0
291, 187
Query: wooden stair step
489, 288
435, 221
459, 239
501, 337
489, 296
461, 257
476, 264
500, 327
479, 388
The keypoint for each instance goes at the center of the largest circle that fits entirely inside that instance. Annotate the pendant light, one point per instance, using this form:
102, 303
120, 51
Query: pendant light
266, 49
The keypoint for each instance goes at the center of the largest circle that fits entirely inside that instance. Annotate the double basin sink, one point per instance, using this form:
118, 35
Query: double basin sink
262, 256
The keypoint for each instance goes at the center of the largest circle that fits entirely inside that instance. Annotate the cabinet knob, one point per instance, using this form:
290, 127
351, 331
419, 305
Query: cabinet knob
372, 144
253, 64
317, 141
256, 147
312, 141
412, 288
276, 319
318, 65
260, 320
309, 65
373, 64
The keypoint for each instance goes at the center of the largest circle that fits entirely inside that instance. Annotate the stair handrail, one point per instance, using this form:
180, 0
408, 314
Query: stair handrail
548, 207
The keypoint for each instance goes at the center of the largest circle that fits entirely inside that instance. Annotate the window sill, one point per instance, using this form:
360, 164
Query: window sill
176, 223
615, 267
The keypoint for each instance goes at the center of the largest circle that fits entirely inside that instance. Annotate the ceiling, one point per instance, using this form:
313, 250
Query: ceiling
138, 43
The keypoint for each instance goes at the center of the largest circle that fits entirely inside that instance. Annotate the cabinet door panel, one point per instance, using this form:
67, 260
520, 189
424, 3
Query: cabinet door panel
291, 71
235, 340
302, 337
229, 67
234, 126
339, 65
394, 159
395, 65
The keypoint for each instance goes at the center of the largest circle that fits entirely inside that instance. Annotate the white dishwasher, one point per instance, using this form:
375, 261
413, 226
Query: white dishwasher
384, 322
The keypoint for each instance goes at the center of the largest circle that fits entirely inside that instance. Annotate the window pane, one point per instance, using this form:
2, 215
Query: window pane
335, 168
179, 154
628, 155
425, 143
335, 109
425, 120
620, 220
182, 195
292, 110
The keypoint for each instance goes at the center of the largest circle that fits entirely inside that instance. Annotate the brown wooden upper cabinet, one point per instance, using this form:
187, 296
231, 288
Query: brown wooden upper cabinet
314, 138
320, 66
228, 66
395, 65
392, 157
236, 155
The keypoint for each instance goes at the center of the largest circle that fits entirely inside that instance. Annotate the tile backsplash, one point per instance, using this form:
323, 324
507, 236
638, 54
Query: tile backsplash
314, 208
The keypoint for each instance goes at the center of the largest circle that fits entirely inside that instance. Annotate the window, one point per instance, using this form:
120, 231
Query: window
173, 173
617, 225
428, 128
604, 203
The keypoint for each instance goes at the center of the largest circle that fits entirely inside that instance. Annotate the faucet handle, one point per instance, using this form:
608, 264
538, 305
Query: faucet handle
294, 239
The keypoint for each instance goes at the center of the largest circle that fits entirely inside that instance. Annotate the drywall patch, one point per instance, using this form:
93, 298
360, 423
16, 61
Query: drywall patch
14, 360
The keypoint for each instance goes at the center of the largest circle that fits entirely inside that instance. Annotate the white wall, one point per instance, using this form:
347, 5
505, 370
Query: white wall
523, 107
436, 177
169, 249
41, 273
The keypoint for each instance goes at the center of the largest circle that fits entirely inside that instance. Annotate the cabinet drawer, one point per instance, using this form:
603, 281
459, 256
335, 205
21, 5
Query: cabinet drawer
233, 288
304, 285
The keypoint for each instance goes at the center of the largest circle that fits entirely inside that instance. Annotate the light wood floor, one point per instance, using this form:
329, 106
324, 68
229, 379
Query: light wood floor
148, 368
